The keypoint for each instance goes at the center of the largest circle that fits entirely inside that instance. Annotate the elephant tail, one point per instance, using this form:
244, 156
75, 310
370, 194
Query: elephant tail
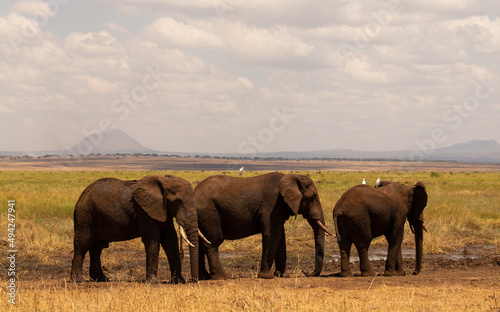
335, 223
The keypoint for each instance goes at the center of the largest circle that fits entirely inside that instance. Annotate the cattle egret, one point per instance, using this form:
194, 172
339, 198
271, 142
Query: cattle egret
377, 183
364, 182
241, 170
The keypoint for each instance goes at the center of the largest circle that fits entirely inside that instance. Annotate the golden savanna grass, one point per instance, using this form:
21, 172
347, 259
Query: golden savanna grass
252, 295
463, 210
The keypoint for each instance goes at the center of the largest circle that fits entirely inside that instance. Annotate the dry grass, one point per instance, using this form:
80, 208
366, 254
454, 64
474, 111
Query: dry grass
252, 295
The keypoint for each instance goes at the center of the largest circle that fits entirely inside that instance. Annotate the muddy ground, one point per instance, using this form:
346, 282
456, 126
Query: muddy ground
124, 262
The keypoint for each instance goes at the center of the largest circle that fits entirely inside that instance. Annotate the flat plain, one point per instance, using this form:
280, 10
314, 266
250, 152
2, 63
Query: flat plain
461, 268
213, 164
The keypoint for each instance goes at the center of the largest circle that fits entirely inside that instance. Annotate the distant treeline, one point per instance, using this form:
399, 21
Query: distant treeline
224, 157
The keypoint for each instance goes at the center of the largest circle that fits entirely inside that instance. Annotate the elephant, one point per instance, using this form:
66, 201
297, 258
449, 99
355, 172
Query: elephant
365, 212
111, 210
235, 207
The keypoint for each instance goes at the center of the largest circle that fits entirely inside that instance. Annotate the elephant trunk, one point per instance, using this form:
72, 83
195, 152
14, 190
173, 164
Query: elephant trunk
193, 253
418, 229
189, 221
319, 245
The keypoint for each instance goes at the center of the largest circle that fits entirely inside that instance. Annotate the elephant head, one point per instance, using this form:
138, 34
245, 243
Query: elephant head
167, 197
301, 195
418, 201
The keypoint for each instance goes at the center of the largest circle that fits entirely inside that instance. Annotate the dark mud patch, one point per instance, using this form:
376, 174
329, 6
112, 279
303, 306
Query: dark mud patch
126, 263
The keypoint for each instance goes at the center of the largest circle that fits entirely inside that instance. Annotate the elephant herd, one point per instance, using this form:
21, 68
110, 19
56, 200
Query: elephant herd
225, 207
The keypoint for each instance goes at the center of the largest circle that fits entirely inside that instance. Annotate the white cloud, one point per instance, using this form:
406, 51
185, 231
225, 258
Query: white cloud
35, 9
263, 46
19, 31
196, 34
92, 44
246, 83
221, 76
244, 43
116, 27
362, 70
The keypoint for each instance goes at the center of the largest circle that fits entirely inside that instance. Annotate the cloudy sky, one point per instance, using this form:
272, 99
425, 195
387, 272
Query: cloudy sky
244, 76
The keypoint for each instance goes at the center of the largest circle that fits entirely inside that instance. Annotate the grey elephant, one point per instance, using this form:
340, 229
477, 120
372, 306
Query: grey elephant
111, 210
233, 208
364, 212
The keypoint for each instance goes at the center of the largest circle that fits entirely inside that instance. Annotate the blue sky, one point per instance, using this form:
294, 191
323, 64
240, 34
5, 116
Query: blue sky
231, 76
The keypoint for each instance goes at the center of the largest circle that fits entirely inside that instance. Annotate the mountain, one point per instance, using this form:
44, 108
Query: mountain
472, 151
110, 141
476, 150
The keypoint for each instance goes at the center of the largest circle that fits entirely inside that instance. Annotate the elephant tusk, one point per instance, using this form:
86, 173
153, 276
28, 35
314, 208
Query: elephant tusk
324, 228
184, 236
203, 237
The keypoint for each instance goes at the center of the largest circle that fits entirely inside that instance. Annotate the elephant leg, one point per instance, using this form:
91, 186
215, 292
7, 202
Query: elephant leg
280, 258
216, 270
394, 262
211, 251
399, 264
273, 232
76, 267
95, 271
365, 265
269, 247
170, 244
152, 247
202, 269
345, 245
81, 244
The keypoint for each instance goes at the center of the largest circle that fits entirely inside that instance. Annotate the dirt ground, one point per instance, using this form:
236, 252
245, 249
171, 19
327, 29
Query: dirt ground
124, 262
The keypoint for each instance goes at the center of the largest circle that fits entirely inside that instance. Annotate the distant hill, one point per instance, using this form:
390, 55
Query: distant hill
476, 150
110, 141
472, 151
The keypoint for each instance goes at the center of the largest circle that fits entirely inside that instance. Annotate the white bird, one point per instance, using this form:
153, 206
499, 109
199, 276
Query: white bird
241, 170
378, 182
364, 182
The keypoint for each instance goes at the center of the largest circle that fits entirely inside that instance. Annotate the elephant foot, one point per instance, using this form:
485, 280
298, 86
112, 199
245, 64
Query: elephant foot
99, 279
76, 279
204, 275
281, 274
369, 273
346, 274
177, 280
394, 273
192, 280
265, 274
220, 276
152, 279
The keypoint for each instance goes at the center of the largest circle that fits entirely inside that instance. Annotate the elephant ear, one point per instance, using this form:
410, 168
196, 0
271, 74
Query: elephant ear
149, 195
289, 187
418, 203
